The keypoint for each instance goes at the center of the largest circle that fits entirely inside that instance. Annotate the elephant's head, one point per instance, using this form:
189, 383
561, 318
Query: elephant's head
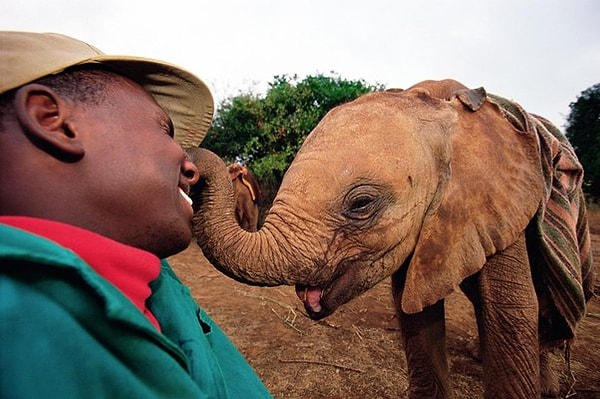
432, 179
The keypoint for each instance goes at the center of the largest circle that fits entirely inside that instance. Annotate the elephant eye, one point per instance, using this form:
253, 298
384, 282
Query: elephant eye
361, 202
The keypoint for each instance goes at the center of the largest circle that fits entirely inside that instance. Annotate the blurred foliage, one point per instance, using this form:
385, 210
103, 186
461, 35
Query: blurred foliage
265, 132
583, 131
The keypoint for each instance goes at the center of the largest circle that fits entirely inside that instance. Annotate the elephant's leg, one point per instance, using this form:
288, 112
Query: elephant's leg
508, 324
424, 339
470, 287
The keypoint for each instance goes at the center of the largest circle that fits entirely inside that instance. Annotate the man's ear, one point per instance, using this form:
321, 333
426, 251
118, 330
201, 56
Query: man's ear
45, 118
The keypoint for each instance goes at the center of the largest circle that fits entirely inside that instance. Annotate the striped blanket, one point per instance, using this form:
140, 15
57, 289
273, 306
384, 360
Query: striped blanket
559, 233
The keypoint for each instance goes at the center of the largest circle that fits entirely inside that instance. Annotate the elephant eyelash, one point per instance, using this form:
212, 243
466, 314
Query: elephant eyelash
362, 203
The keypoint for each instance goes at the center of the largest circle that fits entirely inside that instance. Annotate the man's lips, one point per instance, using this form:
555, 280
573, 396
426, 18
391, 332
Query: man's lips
311, 297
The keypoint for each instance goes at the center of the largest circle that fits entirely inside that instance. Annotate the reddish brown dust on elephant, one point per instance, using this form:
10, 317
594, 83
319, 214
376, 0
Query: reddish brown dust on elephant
356, 352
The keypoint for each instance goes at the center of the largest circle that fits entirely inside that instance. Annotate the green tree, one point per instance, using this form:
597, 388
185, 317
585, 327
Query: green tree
265, 132
583, 131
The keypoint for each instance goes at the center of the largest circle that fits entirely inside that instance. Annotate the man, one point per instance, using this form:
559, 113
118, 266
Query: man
93, 197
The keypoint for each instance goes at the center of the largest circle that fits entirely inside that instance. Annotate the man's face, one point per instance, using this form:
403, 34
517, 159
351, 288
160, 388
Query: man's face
135, 171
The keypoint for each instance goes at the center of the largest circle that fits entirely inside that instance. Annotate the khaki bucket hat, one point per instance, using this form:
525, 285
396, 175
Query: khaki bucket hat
27, 56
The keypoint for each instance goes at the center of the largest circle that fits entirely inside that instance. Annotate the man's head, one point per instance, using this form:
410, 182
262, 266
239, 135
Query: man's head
91, 143
28, 56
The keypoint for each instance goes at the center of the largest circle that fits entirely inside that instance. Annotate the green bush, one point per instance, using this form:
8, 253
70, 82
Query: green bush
583, 131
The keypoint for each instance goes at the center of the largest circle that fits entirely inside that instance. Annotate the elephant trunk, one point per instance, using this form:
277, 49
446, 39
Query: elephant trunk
258, 258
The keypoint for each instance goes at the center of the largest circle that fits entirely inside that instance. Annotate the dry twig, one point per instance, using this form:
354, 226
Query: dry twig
594, 315
358, 332
287, 320
209, 275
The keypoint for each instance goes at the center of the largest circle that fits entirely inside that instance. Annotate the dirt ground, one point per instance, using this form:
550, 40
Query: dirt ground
356, 352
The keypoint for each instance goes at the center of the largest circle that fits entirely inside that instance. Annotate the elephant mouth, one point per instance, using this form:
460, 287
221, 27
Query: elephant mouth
311, 297
320, 302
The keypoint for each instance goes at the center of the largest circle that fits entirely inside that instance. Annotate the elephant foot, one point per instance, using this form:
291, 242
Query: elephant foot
550, 364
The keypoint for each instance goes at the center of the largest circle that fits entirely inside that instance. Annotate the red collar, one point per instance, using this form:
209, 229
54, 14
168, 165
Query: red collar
128, 268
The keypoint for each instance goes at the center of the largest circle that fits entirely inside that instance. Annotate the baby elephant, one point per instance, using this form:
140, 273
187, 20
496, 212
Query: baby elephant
442, 188
248, 196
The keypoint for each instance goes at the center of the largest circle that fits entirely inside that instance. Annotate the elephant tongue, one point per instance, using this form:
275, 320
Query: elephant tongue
311, 296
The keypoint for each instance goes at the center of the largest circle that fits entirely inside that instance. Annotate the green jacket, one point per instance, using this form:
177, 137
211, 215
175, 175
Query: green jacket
65, 332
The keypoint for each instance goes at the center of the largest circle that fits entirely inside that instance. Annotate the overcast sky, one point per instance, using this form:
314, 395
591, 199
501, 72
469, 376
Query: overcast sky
542, 54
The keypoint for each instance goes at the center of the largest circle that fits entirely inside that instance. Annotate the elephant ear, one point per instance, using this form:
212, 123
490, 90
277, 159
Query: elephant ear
448, 89
235, 170
471, 98
492, 191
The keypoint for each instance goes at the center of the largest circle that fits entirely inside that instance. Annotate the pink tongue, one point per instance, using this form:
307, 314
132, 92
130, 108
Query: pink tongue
312, 299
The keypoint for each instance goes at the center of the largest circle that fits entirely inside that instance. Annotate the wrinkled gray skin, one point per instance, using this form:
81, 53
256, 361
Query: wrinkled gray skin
399, 184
